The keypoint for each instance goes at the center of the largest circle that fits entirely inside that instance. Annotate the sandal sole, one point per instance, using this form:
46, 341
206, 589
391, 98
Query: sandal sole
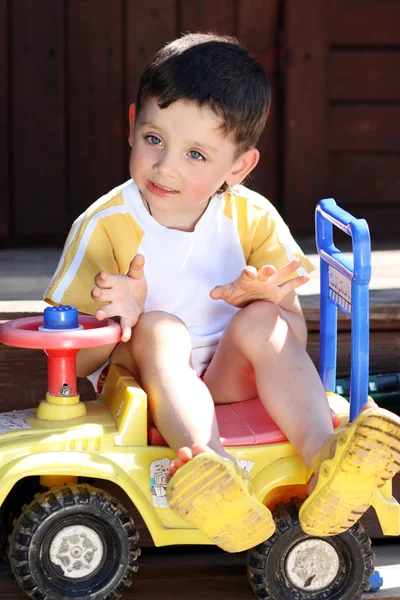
366, 456
209, 493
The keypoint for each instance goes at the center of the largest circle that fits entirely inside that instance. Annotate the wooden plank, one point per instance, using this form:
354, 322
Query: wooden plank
358, 128
208, 15
384, 317
257, 27
207, 573
364, 75
95, 101
26, 382
190, 573
38, 116
159, 18
364, 22
4, 121
384, 352
305, 157
383, 221
366, 180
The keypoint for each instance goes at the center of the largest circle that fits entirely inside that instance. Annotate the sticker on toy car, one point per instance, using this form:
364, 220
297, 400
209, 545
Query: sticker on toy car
158, 482
15, 419
246, 465
339, 288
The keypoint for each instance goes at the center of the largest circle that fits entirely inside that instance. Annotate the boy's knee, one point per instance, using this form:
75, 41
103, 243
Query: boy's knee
257, 320
158, 326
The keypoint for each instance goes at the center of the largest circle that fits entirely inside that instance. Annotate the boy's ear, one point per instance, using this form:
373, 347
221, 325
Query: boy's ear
243, 166
131, 123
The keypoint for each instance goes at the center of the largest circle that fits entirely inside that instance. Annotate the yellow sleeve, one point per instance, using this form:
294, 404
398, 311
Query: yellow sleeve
93, 245
264, 236
273, 244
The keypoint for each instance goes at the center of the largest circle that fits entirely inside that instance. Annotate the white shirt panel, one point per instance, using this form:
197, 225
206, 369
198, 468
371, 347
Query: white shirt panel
181, 269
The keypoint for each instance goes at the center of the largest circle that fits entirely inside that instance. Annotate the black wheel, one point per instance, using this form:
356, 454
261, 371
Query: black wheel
74, 543
292, 565
11, 509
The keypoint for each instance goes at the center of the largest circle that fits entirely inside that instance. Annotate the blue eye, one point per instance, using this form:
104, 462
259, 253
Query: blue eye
153, 140
196, 155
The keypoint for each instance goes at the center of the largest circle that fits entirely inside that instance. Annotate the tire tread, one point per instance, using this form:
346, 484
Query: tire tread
286, 517
52, 501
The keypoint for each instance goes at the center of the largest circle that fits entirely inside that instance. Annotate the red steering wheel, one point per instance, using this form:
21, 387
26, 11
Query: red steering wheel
25, 333
61, 347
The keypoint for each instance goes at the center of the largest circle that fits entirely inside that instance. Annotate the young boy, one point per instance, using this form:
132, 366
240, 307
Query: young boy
202, 274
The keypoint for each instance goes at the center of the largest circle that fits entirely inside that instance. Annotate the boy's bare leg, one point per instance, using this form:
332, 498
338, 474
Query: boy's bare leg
260, 354
88, 360
159, 357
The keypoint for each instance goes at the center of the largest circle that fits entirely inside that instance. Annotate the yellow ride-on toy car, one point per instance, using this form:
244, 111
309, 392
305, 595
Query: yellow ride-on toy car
66, 539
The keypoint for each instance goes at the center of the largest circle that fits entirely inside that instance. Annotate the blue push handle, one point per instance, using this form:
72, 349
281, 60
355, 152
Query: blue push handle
344, 284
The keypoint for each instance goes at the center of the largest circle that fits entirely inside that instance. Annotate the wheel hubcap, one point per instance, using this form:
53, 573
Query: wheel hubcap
312, 564
78, 550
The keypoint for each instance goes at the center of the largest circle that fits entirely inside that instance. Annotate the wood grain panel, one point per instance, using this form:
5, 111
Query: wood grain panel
366, 180
365, 22
261, 38
208, 15
95, 40
370, 128
159, 18
26, 382
384, 352
383, 220
38, 116
4, 122
306, 104
364, 74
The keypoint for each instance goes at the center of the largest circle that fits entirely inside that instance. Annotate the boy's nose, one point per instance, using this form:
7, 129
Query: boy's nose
167, 165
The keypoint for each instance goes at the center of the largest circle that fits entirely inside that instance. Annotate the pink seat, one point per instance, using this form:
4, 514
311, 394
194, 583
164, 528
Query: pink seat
240, 424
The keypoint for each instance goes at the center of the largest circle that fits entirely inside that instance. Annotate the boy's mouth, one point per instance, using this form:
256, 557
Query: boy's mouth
160, 190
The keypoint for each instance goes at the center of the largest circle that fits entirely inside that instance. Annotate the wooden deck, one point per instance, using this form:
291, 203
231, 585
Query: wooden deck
196, 573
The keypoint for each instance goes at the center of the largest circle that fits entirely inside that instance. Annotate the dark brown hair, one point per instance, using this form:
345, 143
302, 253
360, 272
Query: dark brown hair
213, 70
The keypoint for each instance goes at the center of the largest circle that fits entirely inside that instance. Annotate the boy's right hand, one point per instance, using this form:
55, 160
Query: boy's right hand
125, 295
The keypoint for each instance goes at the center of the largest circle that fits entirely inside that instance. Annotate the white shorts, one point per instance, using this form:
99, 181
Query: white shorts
97, 379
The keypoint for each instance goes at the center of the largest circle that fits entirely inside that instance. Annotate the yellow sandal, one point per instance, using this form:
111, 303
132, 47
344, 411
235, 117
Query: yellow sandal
210, 493
367, 454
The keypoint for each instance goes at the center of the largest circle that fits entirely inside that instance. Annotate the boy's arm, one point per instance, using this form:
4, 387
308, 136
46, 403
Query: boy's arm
256, 286
91, 248
265, 284
122, 296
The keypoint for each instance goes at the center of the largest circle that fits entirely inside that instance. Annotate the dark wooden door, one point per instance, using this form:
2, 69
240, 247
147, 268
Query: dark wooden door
342, 119
69, 70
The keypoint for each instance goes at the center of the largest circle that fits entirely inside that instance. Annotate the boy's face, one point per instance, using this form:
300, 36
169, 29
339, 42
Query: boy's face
181, 156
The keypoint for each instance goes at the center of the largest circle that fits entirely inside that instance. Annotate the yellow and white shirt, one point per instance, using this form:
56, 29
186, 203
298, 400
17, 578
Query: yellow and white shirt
238, 228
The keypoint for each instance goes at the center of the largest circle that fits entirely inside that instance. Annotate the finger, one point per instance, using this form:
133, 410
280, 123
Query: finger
126, 328
102, 280
265, 272
293, 265
293, 284
248, 274
284, 272
136, 267
101, 294
107, 311
218, 292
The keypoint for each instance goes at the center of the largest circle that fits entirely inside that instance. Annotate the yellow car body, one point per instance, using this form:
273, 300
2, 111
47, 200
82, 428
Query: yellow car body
110, 442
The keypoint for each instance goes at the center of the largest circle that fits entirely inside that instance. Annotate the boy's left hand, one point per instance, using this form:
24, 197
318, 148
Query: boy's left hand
268, 283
